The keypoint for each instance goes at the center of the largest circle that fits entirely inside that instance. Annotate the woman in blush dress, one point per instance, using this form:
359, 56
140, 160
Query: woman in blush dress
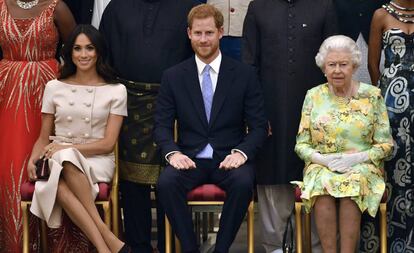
82, 114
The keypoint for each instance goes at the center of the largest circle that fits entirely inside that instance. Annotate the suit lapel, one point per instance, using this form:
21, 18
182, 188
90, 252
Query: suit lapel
224, 82
193, 86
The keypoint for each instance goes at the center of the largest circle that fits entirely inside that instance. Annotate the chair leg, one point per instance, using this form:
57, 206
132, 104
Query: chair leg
197, 226
177, 245
115, 216
298, 221
107, 214
24, 205
205, 227
308, 240
383, 227
43, 236
211, 222
168, 236
250, 227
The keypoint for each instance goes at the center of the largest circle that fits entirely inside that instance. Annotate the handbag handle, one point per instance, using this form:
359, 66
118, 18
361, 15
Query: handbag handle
287, 245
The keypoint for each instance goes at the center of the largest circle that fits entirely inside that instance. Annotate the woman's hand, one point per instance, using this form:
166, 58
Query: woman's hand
346, 161
324, 160
52, 148
31, 169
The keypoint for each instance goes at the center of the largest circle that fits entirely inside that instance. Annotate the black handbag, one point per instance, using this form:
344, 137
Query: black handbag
42, 169
287, 243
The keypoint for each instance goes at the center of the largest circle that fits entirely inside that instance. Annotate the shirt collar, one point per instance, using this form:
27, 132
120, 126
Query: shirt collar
215, 64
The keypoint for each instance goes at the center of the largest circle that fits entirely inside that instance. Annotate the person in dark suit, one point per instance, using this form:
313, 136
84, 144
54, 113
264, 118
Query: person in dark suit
213, 99
145, 37
82, 10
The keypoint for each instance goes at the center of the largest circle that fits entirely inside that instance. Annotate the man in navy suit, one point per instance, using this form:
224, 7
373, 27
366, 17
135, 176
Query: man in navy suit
214, 99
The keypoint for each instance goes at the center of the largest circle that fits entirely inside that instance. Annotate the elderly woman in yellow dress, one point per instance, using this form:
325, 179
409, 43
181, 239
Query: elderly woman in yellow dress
343, 137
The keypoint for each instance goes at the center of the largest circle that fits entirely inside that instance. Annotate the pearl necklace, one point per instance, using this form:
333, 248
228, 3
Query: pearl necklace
400, 7
27, 5
345, 99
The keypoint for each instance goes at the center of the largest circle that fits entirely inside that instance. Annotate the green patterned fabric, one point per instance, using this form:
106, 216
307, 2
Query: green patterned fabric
140, 159
331, 124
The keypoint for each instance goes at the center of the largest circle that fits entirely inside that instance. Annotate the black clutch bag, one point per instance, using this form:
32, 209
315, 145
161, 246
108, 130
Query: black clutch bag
42, 169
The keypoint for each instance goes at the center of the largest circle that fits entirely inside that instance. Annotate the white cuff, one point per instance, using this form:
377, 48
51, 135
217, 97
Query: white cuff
241, 152
167, 156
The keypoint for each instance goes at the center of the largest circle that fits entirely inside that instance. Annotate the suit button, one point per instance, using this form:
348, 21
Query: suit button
86, 135
232, 10
88, 104
87, 120
69, 134
89, 90
69, 118
73, 89
71, 102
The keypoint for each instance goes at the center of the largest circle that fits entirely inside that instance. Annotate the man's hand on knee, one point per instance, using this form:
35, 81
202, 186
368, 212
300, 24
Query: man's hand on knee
181, 161
232, 161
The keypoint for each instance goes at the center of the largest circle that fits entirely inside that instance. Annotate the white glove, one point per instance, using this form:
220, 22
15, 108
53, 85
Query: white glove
346, 161
324, 159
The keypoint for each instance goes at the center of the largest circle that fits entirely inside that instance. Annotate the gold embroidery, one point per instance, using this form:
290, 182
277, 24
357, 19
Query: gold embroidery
139, 173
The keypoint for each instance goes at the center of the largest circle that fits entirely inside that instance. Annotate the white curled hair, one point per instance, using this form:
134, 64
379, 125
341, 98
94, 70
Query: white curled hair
338, 43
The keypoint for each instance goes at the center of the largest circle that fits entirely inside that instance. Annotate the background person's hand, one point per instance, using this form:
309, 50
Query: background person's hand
181, 161
232, 161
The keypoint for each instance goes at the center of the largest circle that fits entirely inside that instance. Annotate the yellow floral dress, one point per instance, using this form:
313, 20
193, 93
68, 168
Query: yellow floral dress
330, 124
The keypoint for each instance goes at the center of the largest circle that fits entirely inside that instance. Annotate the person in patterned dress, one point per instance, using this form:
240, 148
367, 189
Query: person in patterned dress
343, 137
392, 29
29, 33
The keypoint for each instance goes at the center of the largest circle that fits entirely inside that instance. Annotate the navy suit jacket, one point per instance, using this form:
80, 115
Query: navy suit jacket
237, 104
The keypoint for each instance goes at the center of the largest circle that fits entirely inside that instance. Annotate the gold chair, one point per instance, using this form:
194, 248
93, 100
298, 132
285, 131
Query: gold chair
307, 242
108, 198
209, 195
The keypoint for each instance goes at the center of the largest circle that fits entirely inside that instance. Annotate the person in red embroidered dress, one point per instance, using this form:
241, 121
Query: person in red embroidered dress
29, 35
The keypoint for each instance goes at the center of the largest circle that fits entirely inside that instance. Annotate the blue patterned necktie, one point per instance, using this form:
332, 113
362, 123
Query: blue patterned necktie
207, 91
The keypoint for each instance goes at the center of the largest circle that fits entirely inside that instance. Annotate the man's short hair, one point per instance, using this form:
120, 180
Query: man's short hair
203, 11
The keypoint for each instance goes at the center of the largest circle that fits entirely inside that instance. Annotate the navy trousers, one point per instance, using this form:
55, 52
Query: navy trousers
173, 186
